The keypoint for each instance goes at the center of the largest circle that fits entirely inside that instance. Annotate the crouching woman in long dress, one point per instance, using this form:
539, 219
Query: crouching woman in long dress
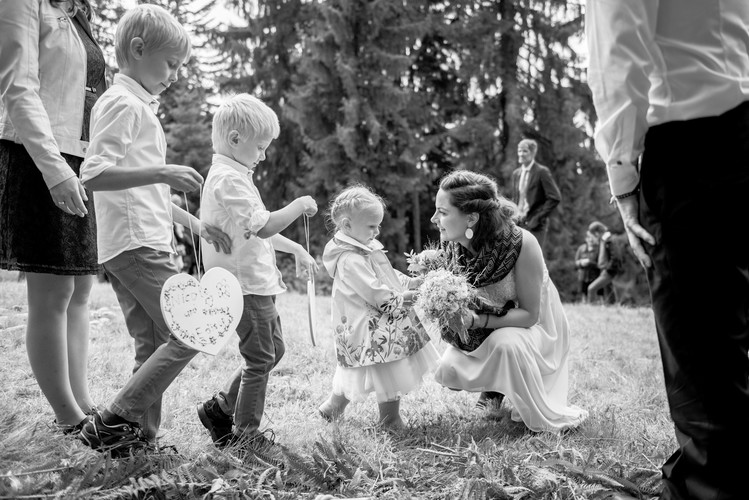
518, 339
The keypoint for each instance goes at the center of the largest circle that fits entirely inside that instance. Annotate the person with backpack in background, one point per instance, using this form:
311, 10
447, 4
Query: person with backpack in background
610, 264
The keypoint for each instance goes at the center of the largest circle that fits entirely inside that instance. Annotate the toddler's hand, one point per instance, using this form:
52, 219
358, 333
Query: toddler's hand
409, 297
304, 264
309, 205
183, 178
220, 240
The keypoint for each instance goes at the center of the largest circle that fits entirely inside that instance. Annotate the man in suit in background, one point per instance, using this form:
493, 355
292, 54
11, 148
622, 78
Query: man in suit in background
534, 191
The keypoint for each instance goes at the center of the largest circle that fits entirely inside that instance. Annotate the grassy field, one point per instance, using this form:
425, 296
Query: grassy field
450, 450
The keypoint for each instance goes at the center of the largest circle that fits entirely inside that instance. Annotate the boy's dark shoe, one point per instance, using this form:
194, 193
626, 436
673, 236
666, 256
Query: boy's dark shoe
120, 438
218, 423
257, 448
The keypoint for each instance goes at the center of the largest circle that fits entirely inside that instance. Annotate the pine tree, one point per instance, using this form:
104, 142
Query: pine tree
360, 122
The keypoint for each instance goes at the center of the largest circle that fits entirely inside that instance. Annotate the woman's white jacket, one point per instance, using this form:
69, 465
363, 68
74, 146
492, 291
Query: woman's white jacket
42, 84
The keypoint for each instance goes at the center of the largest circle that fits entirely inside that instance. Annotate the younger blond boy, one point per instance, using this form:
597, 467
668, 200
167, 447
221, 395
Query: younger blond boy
243, 128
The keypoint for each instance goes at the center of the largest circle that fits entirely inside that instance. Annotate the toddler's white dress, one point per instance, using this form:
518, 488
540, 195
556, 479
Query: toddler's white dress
381, 345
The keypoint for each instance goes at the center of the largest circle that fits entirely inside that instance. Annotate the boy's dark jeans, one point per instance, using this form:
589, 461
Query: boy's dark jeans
137, 277
262, 347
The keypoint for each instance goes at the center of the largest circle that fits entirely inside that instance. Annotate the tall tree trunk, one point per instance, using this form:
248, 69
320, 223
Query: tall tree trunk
511, 114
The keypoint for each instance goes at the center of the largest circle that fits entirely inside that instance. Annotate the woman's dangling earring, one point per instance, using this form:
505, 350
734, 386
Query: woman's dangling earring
469, 233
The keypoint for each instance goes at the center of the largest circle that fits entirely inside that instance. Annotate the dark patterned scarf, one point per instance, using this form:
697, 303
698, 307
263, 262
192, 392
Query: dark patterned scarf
490, 265
493, 261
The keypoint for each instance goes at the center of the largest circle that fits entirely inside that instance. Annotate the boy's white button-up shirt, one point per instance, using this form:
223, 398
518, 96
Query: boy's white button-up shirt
125, 131
232, 202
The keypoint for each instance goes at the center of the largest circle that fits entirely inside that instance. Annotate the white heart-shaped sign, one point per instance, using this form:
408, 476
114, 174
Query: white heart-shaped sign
203, 314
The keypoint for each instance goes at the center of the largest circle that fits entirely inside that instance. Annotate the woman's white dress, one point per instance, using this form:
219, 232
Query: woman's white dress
528, 365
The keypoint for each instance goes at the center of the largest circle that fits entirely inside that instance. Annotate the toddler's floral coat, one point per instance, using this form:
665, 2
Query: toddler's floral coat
371, 324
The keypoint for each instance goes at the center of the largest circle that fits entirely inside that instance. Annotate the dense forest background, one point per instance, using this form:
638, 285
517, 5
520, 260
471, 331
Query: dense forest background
394, 94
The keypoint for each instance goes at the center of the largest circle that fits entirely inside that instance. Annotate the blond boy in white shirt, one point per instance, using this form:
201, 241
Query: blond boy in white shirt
243, 128
126, 165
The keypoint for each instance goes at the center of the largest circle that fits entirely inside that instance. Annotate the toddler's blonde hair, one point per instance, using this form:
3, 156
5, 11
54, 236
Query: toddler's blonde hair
351, 200
246, 114
155, 26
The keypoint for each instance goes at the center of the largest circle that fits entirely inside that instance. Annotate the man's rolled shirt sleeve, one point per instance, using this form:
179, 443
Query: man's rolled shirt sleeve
619, 35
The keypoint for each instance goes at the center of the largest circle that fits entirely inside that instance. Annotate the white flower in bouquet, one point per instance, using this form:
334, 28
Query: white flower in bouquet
429, 259
443, 297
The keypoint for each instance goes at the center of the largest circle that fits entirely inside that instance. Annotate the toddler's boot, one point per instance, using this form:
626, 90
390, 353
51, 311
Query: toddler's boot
390, 417
333, 407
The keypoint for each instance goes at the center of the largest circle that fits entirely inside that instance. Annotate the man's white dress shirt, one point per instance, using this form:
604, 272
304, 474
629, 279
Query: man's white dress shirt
523, 189
657, 61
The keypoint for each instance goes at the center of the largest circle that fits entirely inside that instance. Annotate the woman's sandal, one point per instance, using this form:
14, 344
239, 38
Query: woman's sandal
489, 398
70, 430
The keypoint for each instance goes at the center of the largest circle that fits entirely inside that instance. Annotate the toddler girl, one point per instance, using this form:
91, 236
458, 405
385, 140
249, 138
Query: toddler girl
380, 343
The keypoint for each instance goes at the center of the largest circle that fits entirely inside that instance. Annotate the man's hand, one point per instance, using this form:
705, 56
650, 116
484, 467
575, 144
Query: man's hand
628, 209
212, 234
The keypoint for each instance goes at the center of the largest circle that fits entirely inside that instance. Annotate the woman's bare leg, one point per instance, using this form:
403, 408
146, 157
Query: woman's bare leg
48, 298
78, 342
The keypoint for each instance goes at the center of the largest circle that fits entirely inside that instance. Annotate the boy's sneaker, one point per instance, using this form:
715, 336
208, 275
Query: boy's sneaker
120, 438
218, 423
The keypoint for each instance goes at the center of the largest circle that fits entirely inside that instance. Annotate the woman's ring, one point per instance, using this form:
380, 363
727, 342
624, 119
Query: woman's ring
60, 202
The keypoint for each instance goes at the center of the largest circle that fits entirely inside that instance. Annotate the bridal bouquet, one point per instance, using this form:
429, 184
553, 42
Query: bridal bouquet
443, 297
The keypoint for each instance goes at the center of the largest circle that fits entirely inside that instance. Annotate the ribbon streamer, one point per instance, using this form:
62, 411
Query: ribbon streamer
311, 309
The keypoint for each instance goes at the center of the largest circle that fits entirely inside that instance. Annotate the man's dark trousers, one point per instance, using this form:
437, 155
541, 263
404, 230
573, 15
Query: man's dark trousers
694, 200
